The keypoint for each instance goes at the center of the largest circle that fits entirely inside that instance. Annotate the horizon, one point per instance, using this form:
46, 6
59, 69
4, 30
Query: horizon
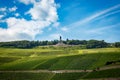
48, 19
58, 40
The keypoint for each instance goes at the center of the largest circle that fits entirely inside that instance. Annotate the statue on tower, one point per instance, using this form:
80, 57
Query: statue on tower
60, 39
60, 43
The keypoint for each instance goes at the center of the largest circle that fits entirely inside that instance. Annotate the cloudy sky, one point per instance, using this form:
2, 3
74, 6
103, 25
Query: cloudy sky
48, 19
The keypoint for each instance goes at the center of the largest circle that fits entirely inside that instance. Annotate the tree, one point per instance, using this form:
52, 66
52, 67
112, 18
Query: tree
117, 44
96, 44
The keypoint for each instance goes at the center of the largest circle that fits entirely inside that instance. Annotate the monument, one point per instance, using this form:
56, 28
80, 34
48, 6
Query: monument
60, 39
60, 43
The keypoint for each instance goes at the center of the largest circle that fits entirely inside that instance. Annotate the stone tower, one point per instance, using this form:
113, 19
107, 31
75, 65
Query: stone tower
60, 43
60, 39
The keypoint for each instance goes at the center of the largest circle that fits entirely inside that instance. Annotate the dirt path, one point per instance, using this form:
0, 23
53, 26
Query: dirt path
61, 71
47, 71
110, 67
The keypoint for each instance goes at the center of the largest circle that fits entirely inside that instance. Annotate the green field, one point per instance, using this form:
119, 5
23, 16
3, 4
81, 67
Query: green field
58, 59
111, 73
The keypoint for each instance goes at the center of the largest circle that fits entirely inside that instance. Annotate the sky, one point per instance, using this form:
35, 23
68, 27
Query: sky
49, 19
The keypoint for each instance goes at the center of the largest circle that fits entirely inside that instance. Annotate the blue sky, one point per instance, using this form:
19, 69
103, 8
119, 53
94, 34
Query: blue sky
48, 19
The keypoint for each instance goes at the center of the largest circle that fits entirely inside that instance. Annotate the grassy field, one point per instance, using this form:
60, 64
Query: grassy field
25, 76
57, 59
114, 73
110, 73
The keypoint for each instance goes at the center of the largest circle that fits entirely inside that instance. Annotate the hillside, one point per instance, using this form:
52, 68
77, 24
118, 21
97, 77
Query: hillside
59, 59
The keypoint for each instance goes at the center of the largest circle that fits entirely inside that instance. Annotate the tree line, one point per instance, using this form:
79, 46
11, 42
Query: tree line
86, 43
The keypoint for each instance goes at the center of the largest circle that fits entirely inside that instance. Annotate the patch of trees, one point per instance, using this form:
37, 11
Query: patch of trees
75, 42
19, 44
26, 44
81, 43
117, 44
112, 62
96, 44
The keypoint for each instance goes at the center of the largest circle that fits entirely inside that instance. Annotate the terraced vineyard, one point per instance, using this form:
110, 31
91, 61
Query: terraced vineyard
12, 59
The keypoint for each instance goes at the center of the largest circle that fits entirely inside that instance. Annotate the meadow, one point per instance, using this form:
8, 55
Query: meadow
46, 58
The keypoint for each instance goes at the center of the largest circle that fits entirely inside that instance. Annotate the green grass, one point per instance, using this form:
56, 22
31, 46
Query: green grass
57, 59
27, 63
25, 76
54, 59
68, 76
110, 73
87, 61
7, 59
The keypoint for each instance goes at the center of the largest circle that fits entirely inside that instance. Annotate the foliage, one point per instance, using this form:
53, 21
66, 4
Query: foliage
68, 76
96, 44
110, 73
25, 76
57, 59
7, 59
80, 43
117, 44
52, 59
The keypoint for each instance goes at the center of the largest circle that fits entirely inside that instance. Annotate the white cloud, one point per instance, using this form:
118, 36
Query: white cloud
94, 16
56, 24
1, 16
27, 1
102, 29
17, 14
84, 26
111, 13
64, 29
3, 9
13, 9
44, 10
20, 29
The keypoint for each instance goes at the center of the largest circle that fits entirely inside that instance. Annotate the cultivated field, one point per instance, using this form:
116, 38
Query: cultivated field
90, 63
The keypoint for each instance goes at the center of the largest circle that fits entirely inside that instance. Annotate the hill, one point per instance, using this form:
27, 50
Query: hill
60, 59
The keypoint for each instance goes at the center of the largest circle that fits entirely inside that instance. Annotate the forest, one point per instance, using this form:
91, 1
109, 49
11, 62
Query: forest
86, 44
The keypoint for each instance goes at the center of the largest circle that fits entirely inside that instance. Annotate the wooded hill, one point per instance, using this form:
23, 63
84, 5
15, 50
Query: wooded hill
82, 43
